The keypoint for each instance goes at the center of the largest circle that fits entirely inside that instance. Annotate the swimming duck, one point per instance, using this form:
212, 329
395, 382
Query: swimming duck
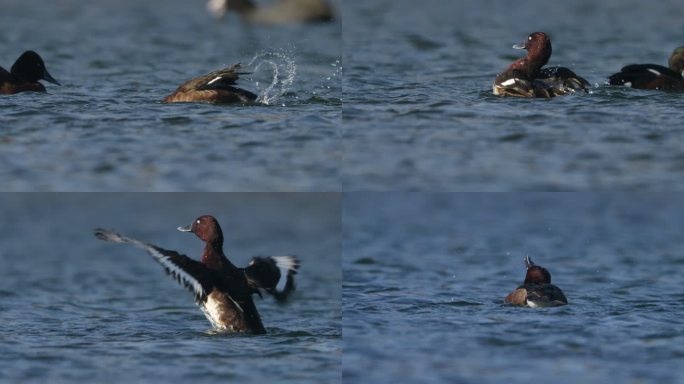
653, 76
537, 290
24, 75
526, 77
215, 87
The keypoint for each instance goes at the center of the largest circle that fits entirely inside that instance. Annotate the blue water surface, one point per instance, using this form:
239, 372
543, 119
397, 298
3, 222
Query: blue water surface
419, 113
425, 276
105, 128
76, 309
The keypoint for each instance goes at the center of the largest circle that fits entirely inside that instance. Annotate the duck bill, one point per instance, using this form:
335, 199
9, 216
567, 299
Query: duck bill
187, 228
519, 46
528, 262
49, 78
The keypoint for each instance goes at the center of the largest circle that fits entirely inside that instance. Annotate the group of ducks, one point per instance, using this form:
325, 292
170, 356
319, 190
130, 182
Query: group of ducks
224, 292
216, 87
527, 77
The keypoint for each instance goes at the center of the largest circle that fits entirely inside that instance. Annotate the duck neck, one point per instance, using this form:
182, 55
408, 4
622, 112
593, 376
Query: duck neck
213, 256
538, 58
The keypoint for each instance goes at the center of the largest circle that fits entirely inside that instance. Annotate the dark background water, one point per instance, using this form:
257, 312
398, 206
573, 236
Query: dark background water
419, 113
105, 129
74, 308
425, 276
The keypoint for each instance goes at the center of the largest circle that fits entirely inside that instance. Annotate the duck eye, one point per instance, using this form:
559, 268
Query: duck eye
198, 221
529, 38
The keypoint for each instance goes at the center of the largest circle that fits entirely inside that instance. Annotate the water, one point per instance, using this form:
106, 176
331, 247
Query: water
74, 308
419, 113
106, 129
425, 276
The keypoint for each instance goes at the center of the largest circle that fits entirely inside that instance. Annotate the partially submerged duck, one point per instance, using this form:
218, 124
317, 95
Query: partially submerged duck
281, 12
215, 87
222, 290
653, 76
526, 77
537, 290
25, 74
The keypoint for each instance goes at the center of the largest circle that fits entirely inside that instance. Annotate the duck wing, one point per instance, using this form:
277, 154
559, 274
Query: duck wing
220, 79
641, 75
190, 273
274, 274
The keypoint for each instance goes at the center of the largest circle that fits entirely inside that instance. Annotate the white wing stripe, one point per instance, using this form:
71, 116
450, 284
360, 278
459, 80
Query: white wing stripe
286, 265
215, 79
174, 270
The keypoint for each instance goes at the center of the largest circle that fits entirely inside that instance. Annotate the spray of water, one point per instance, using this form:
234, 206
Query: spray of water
330, 85
283, 71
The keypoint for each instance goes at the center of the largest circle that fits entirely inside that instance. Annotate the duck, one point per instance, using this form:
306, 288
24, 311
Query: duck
281, 12
25, 74
527, 77
536, 290
653, 76
214, 87
221, 290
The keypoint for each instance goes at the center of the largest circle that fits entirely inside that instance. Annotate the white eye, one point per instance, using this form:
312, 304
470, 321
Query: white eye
529, 38
197, 221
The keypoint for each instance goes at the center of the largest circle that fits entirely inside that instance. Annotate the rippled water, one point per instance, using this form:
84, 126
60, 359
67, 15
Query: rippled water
106, 129
419, 114
425, 276
73, 308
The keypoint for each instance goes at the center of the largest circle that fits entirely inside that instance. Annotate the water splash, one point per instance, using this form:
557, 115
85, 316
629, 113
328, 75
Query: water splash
282, 73
331, 83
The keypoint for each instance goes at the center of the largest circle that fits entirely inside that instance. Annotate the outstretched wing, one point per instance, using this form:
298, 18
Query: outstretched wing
188, 272
274, 274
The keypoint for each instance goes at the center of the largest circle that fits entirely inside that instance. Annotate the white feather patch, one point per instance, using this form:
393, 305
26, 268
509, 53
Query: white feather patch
509, 82
175, 270
215, 79
285, 264
654, 71
213, 308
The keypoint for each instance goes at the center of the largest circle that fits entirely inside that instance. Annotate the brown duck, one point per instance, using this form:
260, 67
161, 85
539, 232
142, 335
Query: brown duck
537, 290
215, 87
222, 290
